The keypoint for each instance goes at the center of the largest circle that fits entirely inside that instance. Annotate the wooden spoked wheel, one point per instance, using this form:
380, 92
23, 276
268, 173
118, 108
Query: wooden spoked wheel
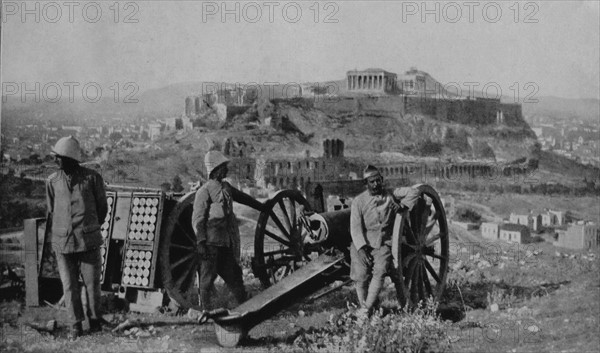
179, 259
423, 255
278, 244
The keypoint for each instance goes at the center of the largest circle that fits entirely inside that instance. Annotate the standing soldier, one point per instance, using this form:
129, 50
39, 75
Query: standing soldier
371, 224
76, 202
217, 232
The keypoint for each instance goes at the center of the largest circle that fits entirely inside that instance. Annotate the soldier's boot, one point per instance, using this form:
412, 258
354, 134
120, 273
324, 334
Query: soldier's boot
75, 331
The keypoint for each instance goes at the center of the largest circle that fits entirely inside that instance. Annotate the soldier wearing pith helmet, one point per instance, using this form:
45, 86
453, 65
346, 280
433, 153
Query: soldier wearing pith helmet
216, 229
76, 205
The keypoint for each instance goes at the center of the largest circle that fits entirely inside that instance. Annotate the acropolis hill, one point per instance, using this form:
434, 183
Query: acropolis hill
413, 93
371, 110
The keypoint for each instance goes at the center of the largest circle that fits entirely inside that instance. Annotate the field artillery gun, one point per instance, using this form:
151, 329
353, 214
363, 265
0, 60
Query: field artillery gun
298, 252
150, 245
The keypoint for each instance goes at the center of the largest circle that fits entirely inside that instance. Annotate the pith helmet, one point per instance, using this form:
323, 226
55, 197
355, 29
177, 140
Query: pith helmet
68, 147
213, 159
370, 171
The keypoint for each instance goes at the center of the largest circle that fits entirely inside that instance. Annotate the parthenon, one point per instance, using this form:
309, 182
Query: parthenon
371, 80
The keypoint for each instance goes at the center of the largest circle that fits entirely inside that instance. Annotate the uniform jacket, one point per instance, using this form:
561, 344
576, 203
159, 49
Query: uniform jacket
213, 219
372, 216
76, 207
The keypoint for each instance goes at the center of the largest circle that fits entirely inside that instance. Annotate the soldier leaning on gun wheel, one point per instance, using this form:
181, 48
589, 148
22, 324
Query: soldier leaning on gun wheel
217, 232
76, 201
371, 224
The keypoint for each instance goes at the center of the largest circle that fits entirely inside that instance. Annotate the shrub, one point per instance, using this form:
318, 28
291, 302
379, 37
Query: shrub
177, 184
457, 141
166, 186
420, 330
429, 148
467, 215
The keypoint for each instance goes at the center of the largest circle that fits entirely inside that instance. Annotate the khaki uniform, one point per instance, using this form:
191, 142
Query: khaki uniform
213, 221
371, 226
76, 207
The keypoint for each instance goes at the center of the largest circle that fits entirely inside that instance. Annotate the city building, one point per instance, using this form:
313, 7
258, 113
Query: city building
490, 230
523, 219
154, 131
514, 233
560, 217
580, 236
548, 219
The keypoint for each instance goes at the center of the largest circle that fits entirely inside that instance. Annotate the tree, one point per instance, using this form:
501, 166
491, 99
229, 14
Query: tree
429, 148
227, 147
166, 186
177, 184
467, 215
319, 90
121, 174
535, 150
457, 140
97, 151
178, 124
115, 136
35, 159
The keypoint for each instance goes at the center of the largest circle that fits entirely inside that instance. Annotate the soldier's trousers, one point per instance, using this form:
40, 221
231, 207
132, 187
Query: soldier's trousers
220, 261
89, 264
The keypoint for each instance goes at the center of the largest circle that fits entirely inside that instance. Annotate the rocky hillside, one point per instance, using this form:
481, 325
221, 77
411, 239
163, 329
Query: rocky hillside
368, 131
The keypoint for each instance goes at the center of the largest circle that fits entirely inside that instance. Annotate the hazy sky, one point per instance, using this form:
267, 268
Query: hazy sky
554, 44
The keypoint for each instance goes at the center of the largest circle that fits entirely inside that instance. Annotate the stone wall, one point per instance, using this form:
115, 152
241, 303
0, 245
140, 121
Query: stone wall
463, 111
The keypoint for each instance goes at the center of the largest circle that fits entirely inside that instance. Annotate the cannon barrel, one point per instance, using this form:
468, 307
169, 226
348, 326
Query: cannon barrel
334, 228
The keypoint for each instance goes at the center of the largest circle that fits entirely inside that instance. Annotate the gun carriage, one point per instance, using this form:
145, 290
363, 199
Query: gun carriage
297, 251
150, 244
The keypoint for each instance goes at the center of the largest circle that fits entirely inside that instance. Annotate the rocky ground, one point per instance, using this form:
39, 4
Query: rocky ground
509, 300
499, 298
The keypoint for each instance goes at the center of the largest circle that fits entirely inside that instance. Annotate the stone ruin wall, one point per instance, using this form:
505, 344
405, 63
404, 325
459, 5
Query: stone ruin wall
470, 112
